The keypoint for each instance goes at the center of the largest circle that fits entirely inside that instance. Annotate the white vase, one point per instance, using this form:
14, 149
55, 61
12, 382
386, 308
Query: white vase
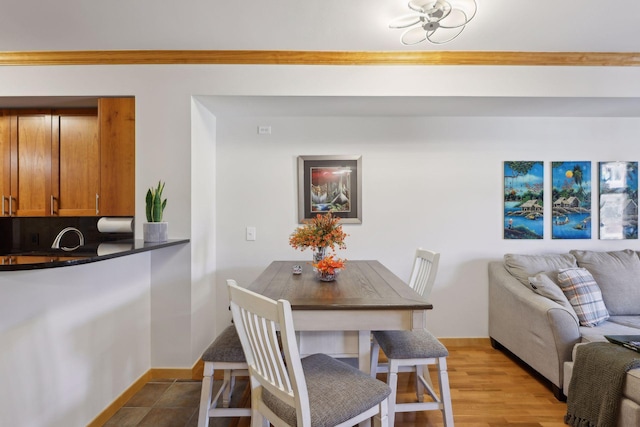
155, 231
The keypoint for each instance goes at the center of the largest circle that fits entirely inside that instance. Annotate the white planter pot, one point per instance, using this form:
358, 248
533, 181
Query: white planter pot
155, 231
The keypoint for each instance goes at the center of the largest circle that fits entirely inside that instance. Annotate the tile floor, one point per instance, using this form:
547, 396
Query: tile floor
168, 403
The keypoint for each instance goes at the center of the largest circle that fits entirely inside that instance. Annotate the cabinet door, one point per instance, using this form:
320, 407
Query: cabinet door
76, 163
31, 163
117, 156
5, 163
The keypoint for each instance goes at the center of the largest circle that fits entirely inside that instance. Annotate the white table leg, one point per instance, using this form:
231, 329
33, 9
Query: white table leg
364, 351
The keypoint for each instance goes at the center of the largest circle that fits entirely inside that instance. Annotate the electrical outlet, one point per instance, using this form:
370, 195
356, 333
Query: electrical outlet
264, 130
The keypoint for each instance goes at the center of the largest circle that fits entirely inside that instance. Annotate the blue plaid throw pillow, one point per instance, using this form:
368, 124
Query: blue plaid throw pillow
584, 295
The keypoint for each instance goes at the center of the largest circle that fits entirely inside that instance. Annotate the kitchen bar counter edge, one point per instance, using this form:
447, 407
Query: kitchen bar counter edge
136, 246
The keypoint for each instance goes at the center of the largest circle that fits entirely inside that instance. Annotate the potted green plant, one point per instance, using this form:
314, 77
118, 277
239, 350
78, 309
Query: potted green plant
155, 230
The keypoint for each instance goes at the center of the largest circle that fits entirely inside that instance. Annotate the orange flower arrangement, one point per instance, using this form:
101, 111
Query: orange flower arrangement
329, 265
323, 231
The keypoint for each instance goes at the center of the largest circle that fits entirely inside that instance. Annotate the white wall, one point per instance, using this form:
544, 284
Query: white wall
430, 182
73, 339
222, 177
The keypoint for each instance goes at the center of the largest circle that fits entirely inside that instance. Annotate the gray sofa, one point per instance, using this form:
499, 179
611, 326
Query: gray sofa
532, 320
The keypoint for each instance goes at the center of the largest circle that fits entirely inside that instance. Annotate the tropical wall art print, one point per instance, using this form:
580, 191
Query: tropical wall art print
618, 200
523, 200
571, 200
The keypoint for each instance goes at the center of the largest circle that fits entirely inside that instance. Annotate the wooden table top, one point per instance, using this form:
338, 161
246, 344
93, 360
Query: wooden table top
361, 285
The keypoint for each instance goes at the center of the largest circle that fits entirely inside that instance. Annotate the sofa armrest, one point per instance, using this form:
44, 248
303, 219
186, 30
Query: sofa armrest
536, 329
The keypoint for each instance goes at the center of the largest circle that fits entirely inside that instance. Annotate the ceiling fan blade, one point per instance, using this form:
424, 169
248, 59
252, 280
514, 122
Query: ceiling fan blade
413, 36
405, 21
456, 19
443, 35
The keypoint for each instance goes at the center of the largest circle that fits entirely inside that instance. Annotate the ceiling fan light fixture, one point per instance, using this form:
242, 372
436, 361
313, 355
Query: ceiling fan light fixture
437, 21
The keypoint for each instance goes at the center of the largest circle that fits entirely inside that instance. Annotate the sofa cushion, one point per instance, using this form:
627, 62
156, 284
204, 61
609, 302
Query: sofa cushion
629, 321
544, 285
524, 266
584, 295
618, 276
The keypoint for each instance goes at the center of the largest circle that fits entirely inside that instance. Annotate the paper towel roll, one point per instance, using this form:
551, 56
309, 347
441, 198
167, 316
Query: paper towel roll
115, 225
113, 248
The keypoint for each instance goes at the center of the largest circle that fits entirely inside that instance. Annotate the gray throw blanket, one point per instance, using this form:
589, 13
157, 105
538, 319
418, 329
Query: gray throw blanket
596, 384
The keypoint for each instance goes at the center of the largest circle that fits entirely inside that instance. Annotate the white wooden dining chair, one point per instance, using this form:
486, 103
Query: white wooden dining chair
414, 351
288, 391
422, 279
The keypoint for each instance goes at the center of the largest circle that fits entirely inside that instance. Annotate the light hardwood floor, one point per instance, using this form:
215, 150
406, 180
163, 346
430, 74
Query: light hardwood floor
488, 389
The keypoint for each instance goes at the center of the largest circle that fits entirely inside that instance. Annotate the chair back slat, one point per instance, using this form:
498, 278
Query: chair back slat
267, 360
423, 274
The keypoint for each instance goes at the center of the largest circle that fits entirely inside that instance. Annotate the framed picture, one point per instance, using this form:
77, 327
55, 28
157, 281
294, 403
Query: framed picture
571, 200
618, 200
523, 200
330, 184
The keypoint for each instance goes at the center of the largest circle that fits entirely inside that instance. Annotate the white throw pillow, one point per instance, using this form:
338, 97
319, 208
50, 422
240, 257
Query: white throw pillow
584, 295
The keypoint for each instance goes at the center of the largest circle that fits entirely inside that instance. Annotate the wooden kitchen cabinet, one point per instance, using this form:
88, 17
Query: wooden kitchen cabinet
25, 162
94, 160
30, 162
117, 156
75, 169
69, 162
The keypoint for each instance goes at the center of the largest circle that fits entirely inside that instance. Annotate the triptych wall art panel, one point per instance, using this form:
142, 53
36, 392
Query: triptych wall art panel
523, 200
571, 198
618, 200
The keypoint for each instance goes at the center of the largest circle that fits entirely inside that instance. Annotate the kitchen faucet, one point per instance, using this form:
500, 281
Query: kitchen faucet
56, 242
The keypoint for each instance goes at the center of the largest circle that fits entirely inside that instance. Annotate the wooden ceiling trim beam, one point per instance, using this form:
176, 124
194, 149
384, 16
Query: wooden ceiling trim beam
286, 57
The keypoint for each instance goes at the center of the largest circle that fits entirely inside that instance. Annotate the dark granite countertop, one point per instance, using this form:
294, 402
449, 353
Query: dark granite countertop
50, 258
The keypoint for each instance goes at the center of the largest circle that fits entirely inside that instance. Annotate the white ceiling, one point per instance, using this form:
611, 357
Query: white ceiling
353, 25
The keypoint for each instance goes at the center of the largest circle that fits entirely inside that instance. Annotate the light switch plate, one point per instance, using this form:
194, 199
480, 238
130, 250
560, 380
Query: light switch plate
251, 233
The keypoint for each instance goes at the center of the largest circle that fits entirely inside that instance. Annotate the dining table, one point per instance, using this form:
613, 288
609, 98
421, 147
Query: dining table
337, 317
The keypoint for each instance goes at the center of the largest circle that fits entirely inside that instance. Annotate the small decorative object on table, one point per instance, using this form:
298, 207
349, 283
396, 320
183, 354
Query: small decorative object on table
155, 230
328, 269
297, 269
320, 233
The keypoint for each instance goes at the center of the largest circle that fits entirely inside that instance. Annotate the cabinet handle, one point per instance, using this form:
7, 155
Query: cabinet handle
97, 203
10, 205
52, 205
3, 210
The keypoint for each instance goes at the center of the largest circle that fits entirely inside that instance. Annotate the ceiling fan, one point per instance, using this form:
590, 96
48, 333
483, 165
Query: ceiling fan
437, 21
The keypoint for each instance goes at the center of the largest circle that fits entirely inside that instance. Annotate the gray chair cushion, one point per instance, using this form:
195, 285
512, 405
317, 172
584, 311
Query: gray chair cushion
410, 344
225, 348
337, 392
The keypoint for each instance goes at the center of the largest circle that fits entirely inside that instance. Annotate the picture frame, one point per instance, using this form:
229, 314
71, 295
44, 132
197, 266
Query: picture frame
523, 201
618, 200
571, 194
328, 183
